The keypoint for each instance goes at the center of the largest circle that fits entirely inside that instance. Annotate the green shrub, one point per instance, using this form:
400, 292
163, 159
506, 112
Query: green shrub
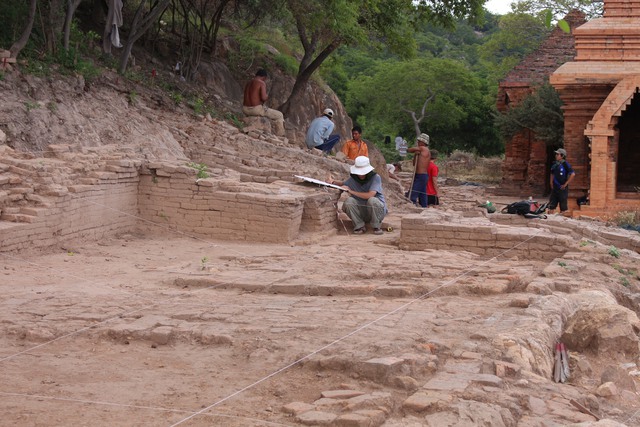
248, 50
234, 120
614, 252
198, 105
31, 105
132, 97
288, 64
176, 97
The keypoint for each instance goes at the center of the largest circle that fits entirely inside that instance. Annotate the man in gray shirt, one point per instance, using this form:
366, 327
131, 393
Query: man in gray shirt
319, 133
366, 202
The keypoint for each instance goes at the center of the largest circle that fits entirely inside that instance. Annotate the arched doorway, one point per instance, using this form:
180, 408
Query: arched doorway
628, 150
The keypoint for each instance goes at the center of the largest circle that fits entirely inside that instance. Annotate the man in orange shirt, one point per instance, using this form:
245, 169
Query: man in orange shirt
355, 147
255, 95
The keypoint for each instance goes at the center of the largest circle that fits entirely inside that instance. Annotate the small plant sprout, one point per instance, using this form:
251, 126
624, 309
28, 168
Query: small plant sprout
614, 252
624, 281
133, 97
203, 262
201, 168
618, 268
31, 105
176, 97
562, 263
199, 106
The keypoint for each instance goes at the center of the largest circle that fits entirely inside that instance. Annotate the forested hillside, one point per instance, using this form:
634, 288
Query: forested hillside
399, 67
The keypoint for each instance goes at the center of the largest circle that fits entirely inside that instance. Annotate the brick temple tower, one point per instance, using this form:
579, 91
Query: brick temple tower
527, 163
600, 91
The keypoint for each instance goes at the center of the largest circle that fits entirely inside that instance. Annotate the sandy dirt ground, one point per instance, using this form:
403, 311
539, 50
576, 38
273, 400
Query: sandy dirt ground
171, 330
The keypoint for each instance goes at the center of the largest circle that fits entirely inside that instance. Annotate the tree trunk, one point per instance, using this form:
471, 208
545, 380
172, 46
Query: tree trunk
72, 5
423, 113
139, 26
106, 39
53, 24
217, 18
24, 37
305, 74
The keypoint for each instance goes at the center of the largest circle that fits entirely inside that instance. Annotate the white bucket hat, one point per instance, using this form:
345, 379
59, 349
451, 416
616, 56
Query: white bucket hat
361, 166
328, 112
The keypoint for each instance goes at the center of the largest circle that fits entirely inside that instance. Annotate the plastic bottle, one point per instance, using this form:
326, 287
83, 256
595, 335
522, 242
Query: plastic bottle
490, 207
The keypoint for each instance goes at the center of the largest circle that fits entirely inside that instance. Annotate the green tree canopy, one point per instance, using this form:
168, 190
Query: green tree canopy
559, 8
325, 25
518, 35
455, 109
540, 112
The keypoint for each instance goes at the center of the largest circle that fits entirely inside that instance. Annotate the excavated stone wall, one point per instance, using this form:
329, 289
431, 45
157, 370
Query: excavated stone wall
484, 239
507, 235
173, 198
40, 213
119, 195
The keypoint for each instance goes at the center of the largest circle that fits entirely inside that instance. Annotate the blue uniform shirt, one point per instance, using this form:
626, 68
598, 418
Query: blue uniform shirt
561, 171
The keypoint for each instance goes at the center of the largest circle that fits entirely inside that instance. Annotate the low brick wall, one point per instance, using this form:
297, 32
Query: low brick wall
320, 213
176, 200
122, 197
481, 237
87, 212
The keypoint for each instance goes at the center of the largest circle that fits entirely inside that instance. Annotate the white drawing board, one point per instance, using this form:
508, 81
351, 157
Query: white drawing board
317, 181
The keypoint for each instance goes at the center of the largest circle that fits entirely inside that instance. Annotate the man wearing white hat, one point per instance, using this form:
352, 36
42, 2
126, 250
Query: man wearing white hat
319, 133
366, 202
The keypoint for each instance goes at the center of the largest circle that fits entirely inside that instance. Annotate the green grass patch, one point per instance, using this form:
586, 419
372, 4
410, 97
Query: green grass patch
201, 169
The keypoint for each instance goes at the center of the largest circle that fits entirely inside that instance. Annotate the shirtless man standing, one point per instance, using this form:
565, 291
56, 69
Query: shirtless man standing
255, 95
422, 158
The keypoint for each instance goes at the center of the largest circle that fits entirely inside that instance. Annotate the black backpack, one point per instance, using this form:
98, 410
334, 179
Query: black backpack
526, 208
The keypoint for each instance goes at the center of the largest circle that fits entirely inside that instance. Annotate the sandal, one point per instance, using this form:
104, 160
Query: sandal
378, 231
360, 230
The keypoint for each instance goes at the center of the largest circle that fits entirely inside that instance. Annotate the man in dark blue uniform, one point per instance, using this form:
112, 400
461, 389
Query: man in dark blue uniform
561, 175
